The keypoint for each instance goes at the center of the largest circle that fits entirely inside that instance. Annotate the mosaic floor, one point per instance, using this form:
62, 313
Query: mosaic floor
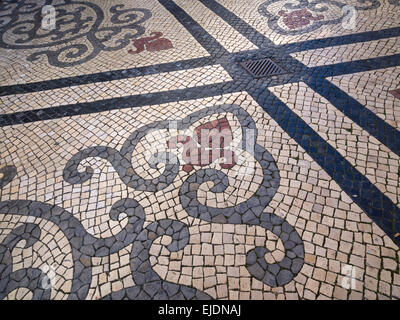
140, 160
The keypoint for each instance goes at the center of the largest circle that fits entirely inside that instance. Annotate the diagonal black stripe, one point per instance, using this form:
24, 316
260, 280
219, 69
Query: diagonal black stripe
365, 118
349, 67
115, 103
212, 46
377, 206
238, 24
374, 203
341, 40
105, 76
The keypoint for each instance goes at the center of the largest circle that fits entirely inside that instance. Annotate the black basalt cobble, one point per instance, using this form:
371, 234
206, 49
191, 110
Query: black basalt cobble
148, 284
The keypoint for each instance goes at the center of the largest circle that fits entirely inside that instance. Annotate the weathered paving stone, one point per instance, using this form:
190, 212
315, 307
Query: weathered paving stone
147, 164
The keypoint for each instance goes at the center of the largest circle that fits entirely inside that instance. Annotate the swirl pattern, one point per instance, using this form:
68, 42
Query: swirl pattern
147, 283
80, 33
303, 16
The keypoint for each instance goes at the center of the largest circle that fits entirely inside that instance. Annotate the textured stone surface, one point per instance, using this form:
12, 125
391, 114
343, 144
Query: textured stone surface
150, 165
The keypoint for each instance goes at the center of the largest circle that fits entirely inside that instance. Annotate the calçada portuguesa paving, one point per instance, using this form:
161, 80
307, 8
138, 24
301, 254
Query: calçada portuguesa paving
110, 190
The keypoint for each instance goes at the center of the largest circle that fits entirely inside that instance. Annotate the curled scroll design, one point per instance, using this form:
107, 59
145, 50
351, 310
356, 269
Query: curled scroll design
84, 246
251, 211
80, 32
8, 174
121, 161
149, 285
303, 16
30, 278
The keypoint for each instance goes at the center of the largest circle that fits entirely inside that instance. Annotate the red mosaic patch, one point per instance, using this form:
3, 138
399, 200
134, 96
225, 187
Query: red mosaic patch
152, 44
299, 18
206, 145
396, 93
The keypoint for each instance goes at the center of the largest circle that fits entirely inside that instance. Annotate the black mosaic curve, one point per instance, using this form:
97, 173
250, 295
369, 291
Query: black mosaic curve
9, 173
149, 285
372, 201
282, 272
63, 38
316, 7
30, 278
122, 163
248, 212
84, 246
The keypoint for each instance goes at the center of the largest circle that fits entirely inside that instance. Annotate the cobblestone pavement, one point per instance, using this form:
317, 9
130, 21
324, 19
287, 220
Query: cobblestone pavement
109, 188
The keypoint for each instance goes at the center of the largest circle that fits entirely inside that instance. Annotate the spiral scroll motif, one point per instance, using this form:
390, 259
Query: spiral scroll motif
303, 16
147, 283
80, 33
